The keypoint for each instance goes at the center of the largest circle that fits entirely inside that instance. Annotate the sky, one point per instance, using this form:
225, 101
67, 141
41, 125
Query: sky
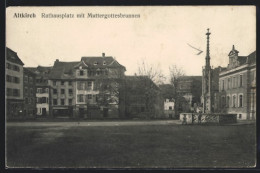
160, 36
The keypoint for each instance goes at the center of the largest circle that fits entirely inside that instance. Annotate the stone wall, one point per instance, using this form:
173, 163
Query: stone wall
193, 118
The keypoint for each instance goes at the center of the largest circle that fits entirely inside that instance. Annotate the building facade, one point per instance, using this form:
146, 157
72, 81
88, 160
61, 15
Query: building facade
42, 87
29, 87
188, 93
169, 108
14, 85
237, 86
86, 89
143, 99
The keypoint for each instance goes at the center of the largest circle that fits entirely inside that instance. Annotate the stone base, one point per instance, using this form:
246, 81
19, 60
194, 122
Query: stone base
196, 118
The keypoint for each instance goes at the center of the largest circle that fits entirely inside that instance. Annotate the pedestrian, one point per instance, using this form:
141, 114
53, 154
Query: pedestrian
199, 118
184, 120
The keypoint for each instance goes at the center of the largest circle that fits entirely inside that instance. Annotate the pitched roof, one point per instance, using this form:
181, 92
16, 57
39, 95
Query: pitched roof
13, 57
101, 62
139, 80
26, 70
252, 58
62, 70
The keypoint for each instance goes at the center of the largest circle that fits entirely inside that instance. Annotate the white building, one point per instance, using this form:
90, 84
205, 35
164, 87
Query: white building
169, 108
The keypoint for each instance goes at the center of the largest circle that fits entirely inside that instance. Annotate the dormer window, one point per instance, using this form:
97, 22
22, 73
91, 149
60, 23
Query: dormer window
104, 63
95, 63
81, 72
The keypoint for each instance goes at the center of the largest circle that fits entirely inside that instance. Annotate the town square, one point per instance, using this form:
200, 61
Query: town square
150, 91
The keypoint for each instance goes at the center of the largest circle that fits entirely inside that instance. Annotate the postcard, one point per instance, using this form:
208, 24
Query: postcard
130, 87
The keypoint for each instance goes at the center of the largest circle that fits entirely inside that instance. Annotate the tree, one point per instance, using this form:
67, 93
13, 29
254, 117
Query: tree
175, 74
152, 71
109, 83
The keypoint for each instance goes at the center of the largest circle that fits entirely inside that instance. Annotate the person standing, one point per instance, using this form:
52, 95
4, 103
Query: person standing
184, 120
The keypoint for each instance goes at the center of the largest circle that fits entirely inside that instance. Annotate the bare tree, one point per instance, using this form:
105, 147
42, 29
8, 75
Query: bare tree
152, 71
175, 73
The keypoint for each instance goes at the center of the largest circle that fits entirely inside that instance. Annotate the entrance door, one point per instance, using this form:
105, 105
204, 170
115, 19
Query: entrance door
81, 112
43, 111
105, 113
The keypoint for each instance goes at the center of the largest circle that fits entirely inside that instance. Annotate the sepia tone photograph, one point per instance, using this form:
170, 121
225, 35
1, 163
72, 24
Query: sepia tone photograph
130, 87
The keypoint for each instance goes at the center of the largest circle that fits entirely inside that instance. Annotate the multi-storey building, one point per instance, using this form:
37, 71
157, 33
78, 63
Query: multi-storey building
63, 89
188, 92
237, 86
29, 93
88, 88
14, 84
42, 90
142, 98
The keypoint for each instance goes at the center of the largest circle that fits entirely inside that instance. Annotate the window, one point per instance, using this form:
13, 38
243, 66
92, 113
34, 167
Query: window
16, 68
240, 116
241, 80
25, 90
70, 83
234, 82
55, 91
223, 84
228, 85
29, 101
95, 63
170, 107
89, 96
16, 80
62, 82
240, 100
39, 90
70, 91
26, 79
54, 83
9, 92
8, 78
223, 102
16, 92
62, 91
8, 66
89, 84
26, 100
62, 102
234, 101
55, 102
104, 63
228, 101
46, 90
81, 72
70, 101
81, 85
30, 79
80, 98
44, 100
31, 91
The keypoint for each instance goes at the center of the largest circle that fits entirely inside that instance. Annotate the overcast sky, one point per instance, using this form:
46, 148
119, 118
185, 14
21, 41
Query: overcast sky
160, 36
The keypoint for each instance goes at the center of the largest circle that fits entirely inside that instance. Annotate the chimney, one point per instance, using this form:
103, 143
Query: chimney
103, 55
57, 60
